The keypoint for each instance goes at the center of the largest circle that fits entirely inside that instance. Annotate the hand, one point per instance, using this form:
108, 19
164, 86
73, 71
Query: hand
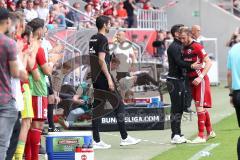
111, 84
57, 99
80, 101
197, 81
196, 65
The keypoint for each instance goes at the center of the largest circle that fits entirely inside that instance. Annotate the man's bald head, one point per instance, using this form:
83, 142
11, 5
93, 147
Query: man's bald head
196, 31
121, 36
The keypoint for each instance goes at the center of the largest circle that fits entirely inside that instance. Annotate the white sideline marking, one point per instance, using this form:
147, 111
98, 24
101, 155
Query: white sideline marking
144, 140
197, 156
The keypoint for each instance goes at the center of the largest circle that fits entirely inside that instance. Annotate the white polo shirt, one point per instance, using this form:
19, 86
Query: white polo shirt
123, 52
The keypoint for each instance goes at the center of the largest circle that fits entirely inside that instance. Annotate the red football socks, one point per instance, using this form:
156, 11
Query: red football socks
208, 124
201, 123
32, 144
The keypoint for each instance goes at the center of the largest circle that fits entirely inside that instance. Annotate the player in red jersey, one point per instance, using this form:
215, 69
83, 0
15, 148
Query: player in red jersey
199, 82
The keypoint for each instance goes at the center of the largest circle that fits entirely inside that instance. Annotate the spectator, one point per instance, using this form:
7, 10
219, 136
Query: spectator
43, 10
30, 12
59, 17
148, 6
9, 67
51, 17
160, 45
129, 6
11, 6
63, 7
121, 12
96, 5
107, 8
21, 5
3, 4
36, 5
89, 13
73, 15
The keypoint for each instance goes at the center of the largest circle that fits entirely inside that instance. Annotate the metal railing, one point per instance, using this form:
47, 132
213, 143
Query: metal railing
227, 5
80, 13
154, 19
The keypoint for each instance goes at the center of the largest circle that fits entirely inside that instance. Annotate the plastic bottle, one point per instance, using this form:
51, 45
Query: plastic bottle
78, 149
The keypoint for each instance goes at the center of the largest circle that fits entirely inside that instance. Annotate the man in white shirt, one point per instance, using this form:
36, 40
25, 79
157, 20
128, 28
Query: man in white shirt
196, 34
30, 13
124, 52
43, 10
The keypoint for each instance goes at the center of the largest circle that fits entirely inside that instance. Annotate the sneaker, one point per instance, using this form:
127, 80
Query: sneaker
178, 140
185, 139
189, 110
211, 135
100, 145
63, 123
56, 129
129, 141
198, 140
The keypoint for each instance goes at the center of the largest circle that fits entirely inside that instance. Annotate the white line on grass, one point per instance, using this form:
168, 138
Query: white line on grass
198, 155
144, 140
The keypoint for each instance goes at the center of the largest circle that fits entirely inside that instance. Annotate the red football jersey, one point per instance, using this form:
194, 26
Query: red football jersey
193, 53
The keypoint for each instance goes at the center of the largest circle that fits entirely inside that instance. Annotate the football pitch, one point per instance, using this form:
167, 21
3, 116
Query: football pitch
156, 144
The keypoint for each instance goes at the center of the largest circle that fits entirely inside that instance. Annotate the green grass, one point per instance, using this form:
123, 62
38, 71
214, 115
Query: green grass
227, 135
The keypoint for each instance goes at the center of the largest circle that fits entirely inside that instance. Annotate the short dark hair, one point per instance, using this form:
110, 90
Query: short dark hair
36, 23
101, 20
30, 1
4, 14
27, 32
175, 29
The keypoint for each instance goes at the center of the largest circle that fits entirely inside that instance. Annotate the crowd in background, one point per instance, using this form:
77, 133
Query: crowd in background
60, 13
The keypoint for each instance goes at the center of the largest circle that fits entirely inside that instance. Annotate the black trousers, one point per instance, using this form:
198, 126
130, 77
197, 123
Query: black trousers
14, 138
180, 100
101, 96
236, 104
50, 109
188, 94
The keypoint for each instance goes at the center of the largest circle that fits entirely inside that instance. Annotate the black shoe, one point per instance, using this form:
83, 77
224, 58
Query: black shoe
56, 129
44, 132
42, 150
189, 110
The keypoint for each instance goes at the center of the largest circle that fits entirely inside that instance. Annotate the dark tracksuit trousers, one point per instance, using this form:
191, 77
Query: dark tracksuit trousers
101, 96
180, 96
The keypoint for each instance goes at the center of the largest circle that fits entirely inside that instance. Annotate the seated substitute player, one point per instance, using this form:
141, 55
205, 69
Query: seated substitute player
81, 98
199, 82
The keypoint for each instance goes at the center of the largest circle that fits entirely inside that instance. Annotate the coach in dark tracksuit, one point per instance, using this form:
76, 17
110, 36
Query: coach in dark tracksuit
178, 85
